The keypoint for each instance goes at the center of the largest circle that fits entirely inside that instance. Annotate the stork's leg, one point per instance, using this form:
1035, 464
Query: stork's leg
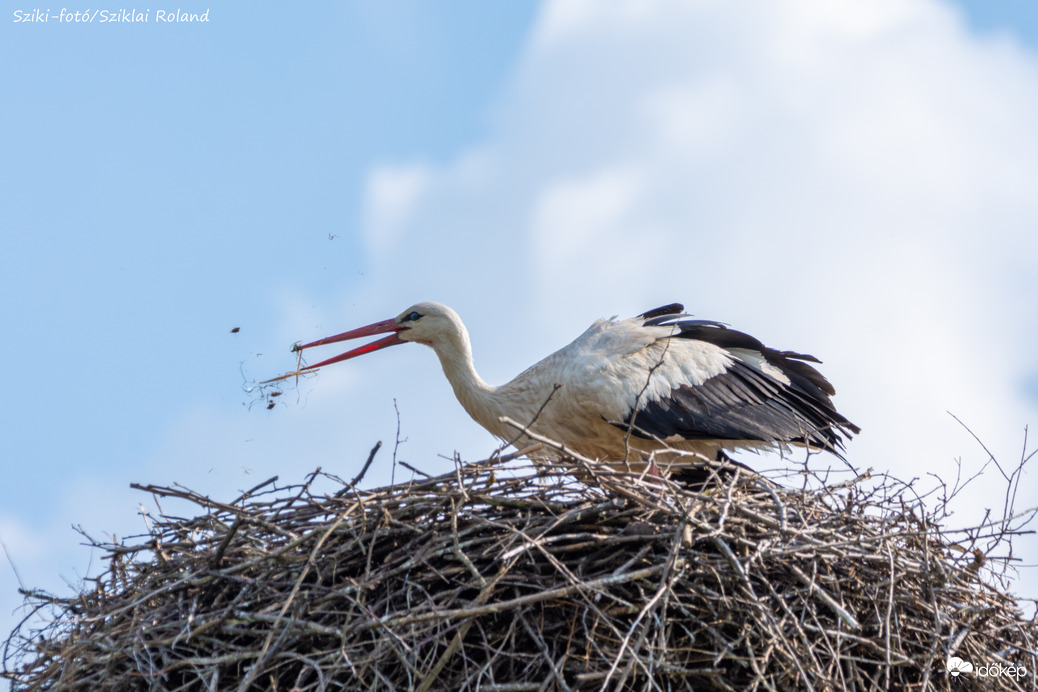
702, 477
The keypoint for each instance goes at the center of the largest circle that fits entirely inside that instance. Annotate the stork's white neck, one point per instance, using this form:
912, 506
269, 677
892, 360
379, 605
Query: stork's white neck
478, 398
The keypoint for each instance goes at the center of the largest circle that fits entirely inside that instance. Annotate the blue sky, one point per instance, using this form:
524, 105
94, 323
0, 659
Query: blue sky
164, 178
850, 179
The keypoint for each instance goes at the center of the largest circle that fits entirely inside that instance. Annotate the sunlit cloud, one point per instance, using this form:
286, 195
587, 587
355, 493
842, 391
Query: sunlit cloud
847, 178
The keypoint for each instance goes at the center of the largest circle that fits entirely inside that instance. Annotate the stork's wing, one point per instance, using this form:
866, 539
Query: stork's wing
763, 394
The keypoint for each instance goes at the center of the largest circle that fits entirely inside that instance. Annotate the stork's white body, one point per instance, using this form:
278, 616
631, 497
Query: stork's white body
657, 387
602, 376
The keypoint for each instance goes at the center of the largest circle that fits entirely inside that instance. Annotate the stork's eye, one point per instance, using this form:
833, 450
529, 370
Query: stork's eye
412, 316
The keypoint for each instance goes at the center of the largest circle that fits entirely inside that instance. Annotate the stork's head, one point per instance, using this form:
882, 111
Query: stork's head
427, 323
431, 324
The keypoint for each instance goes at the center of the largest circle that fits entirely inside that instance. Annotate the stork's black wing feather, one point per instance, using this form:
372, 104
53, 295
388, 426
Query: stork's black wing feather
744, 402
667, 311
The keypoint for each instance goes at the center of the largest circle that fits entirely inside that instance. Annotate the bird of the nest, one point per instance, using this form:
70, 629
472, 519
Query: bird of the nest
659, 388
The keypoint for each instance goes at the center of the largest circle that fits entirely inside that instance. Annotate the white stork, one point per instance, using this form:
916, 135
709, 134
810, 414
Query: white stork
656, 387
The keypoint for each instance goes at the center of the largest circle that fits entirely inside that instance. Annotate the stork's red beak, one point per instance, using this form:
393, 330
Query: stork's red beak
370, 330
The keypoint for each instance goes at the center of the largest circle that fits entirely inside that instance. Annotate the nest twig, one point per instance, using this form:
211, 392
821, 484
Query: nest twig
503, 578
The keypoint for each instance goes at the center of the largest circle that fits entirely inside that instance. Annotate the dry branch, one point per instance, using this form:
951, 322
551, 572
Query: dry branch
498, 577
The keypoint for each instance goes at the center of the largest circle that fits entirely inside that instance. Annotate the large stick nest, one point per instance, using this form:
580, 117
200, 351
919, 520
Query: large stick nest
503, 577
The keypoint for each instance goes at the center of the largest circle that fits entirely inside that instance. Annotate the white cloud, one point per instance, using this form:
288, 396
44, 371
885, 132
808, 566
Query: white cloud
849, 178
391, 195
572, 214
